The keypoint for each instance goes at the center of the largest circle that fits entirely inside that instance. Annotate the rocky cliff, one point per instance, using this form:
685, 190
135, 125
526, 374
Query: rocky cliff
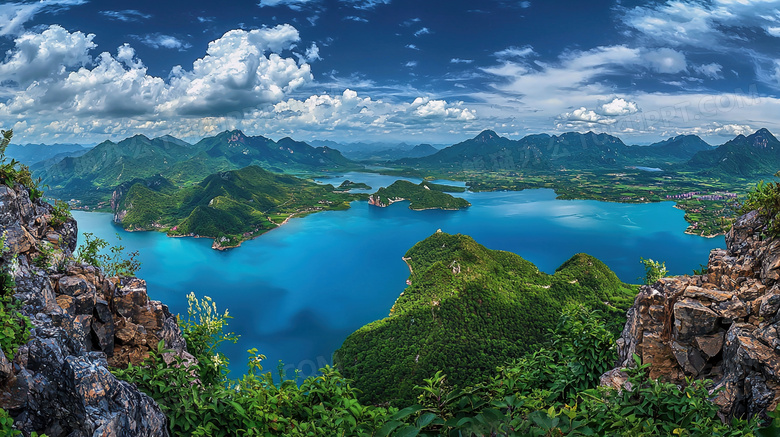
722, 325
59, 382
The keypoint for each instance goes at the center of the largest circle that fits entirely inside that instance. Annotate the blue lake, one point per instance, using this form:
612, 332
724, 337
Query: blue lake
296, 292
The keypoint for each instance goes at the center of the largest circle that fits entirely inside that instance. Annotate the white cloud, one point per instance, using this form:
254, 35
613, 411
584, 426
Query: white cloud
38, 56
515, 52
618, 106
665, 60
411, 64
292, 4
158, 40
461, 61
312, 54
586, 116
355, 18
412, 46
13, 15
241, 69
423, 31
126, 15
710, 70
366, 4
206, 19
773, 31
525, 4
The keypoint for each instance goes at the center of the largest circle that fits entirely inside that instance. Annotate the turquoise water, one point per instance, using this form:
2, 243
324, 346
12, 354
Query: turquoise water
296, 292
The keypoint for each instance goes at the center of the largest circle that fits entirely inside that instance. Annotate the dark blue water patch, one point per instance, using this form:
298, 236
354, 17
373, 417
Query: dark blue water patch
296, 292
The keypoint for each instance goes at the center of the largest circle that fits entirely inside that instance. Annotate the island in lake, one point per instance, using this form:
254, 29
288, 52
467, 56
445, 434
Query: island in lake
425, 195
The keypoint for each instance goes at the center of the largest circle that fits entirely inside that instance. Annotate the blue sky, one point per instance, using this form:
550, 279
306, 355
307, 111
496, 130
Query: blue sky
388, 70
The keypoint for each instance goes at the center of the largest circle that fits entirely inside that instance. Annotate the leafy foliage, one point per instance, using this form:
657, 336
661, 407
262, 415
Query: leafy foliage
654, 270
765, 198
60, 213
114, 263
12, 172
202, 401
14, 326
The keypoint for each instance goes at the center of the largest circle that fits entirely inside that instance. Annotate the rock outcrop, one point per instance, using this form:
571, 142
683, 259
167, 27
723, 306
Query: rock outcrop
723, 325
59, 382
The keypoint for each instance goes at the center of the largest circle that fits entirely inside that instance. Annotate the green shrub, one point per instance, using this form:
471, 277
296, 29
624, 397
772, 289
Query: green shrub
202, 401
654, 271
115, 263
60, 213
765, 198
13, 172
14, 326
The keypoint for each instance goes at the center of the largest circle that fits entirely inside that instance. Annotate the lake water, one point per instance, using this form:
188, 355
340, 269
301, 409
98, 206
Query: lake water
296, 292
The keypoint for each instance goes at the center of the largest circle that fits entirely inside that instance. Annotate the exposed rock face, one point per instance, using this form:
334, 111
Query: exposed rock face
721, 326
59, 381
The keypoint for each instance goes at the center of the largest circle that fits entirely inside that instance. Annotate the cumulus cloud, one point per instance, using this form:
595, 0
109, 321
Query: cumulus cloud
618, 106
584, 115
773, 31
350, 111
515, 52
13, 15
312, 54
158, 40
126, 15
665, 60
461, 61
241, 69
38, 56
710, 70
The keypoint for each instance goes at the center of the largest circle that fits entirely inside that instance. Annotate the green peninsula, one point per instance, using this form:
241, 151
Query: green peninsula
467, 310
231, 206
423, 196
349, 185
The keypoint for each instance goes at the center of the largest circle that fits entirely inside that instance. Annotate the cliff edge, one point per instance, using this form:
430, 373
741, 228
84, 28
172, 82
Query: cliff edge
83, 322
721, 326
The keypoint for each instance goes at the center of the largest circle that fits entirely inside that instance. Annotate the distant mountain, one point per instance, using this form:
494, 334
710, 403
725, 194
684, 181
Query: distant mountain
418, 151
674, 150
379, 151
490, 152
31, 154
110, 164
744, 156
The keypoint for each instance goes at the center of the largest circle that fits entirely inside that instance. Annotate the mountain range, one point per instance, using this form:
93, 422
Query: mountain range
90, 175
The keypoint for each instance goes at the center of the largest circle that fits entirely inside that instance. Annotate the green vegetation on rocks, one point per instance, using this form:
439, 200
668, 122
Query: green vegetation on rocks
468, 310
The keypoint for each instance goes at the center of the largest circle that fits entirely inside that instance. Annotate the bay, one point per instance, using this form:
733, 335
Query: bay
298, 291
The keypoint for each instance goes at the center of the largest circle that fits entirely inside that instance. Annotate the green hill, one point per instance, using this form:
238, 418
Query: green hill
426, 195
469, 309
230, 206
93, 176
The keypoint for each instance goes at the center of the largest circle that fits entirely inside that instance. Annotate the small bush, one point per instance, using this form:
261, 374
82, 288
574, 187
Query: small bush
765, 198
654, 271
60, 213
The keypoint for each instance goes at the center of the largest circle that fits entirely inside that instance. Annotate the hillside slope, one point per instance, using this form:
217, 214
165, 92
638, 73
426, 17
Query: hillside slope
468, 310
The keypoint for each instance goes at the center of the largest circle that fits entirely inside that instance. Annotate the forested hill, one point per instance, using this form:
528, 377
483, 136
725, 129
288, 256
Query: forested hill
229, 206
110, 164
469, 309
